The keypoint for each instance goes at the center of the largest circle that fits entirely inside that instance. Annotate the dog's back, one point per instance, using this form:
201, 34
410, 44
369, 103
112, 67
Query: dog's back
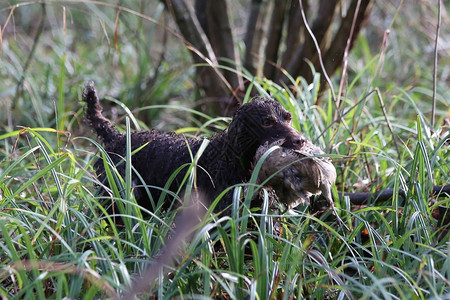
225, 162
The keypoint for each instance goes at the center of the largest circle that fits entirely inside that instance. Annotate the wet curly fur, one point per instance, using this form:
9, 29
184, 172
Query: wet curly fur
225, 162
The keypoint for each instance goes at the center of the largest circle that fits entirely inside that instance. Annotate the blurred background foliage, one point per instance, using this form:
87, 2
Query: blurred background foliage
134, 54
381, 135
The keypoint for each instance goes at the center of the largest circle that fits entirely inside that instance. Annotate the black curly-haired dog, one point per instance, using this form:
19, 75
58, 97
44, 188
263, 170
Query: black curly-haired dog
225, 162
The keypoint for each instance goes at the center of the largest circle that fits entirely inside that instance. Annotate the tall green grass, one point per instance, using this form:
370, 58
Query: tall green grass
58, 239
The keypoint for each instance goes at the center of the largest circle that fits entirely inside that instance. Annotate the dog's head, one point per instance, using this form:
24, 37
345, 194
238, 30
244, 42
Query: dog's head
261, 121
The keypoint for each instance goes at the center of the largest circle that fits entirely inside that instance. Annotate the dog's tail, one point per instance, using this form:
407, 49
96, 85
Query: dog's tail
102, 126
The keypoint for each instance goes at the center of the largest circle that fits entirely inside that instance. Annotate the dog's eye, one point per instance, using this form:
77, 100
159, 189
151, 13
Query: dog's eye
288, 117
269, 122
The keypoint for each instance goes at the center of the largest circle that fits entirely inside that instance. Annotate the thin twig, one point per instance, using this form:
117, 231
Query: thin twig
319, 52
394, 139
321, 28
344, 114
28, 61
11, 12
383, 52
116, 29
438, 26
345, 58
164, 41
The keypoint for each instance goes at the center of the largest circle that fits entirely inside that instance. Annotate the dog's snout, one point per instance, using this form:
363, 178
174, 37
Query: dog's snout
295, 142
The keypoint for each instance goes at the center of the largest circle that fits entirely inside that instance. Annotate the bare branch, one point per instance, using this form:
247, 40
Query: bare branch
363, 198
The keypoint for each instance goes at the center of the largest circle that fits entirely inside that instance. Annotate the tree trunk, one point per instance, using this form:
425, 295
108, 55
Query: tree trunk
276, 39
321, 30
335, 53
208, 79
214, 19
254, 36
